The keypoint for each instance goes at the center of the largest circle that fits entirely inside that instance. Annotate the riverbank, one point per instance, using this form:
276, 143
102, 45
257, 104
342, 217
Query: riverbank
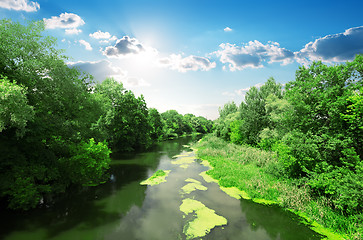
254, 171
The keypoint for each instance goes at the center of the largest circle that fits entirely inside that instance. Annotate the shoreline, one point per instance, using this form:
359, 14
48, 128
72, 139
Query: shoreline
217, 164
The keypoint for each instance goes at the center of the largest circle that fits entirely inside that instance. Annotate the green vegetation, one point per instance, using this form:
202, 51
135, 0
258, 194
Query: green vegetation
157, 178
175, 124
184, 161
254, 180
57, 126
192, 186
301, 147
46, 117
204, 220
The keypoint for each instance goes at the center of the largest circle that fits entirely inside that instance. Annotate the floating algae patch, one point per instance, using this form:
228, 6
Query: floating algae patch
184, 162
192, 180
235, 192
231, 191
207, 178
157, 178
206, 163
192, 186
264, 201
205, 218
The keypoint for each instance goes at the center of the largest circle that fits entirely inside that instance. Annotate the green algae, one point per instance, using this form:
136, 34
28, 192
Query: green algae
157, 178
183, 162
207, 178
330, 235
265, 201
205, 218
315, 226
235, 192
192, 186
206, 163
192, 180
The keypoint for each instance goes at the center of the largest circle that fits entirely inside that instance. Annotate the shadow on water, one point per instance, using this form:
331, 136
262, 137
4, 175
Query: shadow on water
278, 223
123, 209
88, 208
85, 207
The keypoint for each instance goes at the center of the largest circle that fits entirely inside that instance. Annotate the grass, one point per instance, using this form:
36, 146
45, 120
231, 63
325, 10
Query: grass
157, 178
256, 172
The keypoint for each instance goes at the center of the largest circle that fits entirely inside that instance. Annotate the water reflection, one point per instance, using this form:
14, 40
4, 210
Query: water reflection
124, 209
277, 223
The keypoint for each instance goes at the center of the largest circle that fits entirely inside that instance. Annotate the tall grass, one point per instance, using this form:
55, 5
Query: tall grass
258, 173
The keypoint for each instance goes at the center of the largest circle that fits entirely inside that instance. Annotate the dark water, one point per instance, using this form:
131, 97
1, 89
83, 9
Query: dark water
124, 209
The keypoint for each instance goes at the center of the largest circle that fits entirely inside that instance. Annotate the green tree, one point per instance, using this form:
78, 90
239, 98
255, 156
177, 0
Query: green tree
253, 111
319, 96
227, 115
14, 109
189, 123
51, 106
173, 124
156, 124
125, 121
227, 109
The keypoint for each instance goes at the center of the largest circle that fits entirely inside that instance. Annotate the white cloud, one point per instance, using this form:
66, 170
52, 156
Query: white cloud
104, 42
20, 5
100, 70
100, 35
190, 63
333, 48
69, 21
135, 82
114, 38
103, 69
127, 46
228, 29
107, 41
253, 55
241, 92
86, 44
73, 31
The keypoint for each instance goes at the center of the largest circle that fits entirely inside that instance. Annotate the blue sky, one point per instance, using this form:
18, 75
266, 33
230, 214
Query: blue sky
194, 56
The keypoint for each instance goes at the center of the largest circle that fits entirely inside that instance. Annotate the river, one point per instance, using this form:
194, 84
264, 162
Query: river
123, 209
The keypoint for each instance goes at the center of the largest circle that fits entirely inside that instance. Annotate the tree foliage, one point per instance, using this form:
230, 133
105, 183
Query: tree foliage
314, 126
56, 124
46, 110
15, 111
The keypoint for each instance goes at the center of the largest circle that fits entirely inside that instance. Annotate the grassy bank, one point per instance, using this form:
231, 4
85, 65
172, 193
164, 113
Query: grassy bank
256, 172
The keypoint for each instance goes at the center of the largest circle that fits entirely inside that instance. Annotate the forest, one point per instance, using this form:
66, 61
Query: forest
58, 126
309, 133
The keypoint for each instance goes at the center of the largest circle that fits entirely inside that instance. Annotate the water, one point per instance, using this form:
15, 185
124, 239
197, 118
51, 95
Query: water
124, 209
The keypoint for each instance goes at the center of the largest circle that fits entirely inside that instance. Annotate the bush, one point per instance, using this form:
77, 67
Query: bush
88, 163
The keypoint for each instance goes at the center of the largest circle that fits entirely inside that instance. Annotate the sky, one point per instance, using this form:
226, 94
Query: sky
196, 55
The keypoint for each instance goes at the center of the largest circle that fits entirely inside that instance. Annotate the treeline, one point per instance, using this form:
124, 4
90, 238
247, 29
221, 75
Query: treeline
57, 127
315, 127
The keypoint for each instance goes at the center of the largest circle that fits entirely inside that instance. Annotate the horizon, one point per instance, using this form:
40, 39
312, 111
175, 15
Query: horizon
196, 56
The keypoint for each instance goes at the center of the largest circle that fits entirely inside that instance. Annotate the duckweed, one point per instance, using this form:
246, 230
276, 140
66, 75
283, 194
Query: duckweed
192, 186
157, 178
205, 218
